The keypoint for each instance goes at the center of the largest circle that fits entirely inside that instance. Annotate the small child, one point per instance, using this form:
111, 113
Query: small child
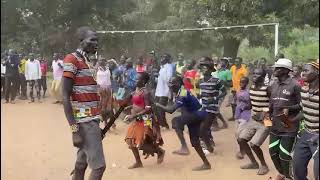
243, 109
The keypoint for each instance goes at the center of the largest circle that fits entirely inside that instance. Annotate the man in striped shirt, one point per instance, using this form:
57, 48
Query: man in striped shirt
80, 101
211, 91
254, 132
307, 146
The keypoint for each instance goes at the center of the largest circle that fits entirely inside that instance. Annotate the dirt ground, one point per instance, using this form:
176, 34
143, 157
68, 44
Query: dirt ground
36, 145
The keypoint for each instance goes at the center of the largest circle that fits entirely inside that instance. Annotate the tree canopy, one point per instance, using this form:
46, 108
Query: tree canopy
46, 26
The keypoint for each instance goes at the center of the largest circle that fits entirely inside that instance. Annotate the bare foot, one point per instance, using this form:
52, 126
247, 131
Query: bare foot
250, 166
181, 152
263, 170
202, 167
161, 156
136, 165
239, 155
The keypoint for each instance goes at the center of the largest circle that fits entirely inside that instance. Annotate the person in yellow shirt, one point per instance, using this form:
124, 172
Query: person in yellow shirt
23, 82
238, 70
180, 64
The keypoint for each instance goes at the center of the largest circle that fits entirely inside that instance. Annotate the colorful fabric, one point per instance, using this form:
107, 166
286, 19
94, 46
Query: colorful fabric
130, 78
43, 67
140, 68
194, 77
84, 97
22, 66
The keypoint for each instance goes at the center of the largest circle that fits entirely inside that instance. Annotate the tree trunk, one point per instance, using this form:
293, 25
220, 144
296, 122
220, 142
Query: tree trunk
230, 47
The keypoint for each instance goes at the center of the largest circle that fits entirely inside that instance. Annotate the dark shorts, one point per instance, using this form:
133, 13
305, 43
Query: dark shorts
193, 123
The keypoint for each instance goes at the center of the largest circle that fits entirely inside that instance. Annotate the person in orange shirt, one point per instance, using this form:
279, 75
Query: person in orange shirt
238, 70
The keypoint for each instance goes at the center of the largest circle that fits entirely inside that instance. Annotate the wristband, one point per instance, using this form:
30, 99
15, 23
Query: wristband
74, 128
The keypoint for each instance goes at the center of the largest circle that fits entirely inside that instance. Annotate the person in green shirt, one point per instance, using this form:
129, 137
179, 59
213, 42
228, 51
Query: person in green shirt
23, 82
225, 76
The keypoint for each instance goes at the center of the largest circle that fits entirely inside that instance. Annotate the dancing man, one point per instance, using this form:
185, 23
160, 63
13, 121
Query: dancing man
191, 115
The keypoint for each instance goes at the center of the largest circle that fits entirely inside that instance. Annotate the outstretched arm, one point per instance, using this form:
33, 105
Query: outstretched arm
169, 108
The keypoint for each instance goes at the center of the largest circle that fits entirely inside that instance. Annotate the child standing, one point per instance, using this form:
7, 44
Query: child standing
243, 109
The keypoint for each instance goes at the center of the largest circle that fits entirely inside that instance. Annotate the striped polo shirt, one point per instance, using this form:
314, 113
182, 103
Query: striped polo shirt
208, 89
84, 97
310, 105
259, 99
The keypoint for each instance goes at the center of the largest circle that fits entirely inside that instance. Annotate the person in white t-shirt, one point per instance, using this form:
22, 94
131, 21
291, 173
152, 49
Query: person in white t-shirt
57, 69
33, 76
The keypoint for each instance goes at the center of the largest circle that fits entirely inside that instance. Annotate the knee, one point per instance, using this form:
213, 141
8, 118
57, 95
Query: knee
253, 146
99, 171
81, 166
195, 142
241, 140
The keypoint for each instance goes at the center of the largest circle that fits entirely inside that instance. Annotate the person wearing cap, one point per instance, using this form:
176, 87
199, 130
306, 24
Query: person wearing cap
162, 90
307, 145
284, 95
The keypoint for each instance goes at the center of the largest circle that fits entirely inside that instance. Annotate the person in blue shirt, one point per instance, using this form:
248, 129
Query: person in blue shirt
191, 115
130, 76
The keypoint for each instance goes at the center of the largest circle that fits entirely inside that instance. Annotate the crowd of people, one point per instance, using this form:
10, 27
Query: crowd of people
18, 71
280, 101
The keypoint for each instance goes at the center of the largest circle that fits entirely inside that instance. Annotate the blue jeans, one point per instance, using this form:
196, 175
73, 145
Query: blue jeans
305, 150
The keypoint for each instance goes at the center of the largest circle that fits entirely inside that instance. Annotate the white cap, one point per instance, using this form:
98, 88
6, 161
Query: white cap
283, 63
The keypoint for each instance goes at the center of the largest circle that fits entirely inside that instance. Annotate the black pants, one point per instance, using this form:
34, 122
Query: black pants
34, 84
23, 85
11, 87
43, 83
280, 148
205, 130
161, 115
307, 147
193, 122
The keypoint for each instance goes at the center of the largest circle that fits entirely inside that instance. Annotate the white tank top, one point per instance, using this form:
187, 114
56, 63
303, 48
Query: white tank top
103, 77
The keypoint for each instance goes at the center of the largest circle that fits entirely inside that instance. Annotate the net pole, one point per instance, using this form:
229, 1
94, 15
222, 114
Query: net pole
276, 38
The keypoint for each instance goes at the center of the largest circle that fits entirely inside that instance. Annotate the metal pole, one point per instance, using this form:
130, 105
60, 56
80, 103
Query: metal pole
276, 38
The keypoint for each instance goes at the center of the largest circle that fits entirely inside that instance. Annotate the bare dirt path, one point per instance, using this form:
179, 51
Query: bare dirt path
36, 145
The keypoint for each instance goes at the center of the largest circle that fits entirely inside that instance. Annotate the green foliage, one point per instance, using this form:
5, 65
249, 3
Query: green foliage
249, 54
47, 26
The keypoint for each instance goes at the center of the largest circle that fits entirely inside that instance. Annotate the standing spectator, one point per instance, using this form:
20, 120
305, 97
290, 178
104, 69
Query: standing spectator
162, 90
33, 75
180, 64
238, 70
11, 76
43, 81
140, 68
263, 65
23, 81
296, 74
3, 72
80, 101
57, 69
130, 75
191, 77
284, 107
307, 146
